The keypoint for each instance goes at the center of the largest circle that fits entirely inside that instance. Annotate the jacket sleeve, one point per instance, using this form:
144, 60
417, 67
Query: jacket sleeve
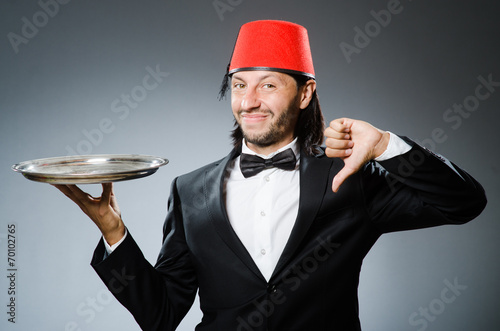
419, 189
158, 297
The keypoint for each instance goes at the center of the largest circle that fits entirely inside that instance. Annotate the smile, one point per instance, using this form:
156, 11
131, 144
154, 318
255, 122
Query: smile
254, 117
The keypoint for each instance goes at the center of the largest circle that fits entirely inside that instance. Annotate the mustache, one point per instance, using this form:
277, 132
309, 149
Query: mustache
256, 111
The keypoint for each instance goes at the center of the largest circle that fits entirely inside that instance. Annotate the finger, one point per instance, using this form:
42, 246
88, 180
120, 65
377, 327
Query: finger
113, 202
105, 198
106, 193
342, 153
338, 143
69, 191
331, 133
65, 189
341, 124
339, 179
79, 194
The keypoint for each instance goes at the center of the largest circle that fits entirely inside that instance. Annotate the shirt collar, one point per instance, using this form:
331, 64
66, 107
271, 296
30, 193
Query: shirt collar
294, 145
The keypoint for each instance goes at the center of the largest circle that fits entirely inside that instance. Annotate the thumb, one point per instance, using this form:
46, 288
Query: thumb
105, 198
340, 177
347, 123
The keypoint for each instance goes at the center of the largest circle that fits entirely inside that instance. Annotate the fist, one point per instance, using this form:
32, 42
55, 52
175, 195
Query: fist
354, 141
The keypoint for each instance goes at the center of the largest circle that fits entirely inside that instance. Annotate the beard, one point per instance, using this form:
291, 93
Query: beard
277, 129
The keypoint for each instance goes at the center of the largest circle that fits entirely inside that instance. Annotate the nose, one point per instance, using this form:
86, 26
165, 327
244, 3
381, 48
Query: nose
250, 100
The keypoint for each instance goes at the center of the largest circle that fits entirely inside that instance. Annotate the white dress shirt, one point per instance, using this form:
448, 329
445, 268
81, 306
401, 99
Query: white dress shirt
262, 209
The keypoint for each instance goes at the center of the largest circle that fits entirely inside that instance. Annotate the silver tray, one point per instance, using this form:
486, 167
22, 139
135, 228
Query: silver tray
89, 169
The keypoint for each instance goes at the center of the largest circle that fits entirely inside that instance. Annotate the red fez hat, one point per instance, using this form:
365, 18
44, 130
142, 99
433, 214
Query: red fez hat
272, 45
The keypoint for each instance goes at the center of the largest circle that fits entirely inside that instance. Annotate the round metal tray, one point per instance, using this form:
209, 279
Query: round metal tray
90, 169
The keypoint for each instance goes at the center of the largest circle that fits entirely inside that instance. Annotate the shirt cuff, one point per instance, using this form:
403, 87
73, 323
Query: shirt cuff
111, 248
396, 147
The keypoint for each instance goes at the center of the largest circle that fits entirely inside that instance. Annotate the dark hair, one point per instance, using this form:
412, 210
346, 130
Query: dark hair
310, 124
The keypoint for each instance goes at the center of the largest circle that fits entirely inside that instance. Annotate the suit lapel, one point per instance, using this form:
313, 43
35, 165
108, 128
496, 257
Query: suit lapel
313, 183
217, 210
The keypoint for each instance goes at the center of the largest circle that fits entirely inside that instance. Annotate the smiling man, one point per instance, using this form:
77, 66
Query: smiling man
273, 235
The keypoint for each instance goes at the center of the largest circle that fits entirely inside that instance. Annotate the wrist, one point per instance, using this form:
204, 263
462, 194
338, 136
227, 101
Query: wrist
115, 235
381, 146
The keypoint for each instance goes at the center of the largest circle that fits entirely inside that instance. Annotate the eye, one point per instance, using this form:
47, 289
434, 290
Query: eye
268, 86
238, 86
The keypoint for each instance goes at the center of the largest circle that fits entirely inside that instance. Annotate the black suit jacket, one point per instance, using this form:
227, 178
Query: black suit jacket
314, 285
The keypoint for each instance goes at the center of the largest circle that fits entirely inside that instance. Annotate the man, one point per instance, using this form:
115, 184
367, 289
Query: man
260, 233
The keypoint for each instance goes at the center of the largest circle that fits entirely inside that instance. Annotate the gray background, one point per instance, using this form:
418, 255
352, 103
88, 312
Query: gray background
66, 77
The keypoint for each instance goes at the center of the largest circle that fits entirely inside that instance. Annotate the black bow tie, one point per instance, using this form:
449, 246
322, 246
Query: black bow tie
251, 165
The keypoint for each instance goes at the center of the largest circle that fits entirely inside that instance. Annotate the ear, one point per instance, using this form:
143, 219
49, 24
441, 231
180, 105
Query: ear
307, 93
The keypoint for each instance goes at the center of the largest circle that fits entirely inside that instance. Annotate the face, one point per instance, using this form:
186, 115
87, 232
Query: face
266, 105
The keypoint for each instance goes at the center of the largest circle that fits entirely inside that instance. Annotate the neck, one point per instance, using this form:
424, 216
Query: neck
266, 150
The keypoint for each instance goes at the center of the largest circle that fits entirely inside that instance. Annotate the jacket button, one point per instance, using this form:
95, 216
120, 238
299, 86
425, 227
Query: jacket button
271, 288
